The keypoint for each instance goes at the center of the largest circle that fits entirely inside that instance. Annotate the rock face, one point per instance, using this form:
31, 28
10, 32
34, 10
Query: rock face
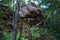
32, 14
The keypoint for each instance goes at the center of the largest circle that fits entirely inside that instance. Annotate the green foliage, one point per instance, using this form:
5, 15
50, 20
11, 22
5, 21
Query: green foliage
6, 2
9, 36
34, 32
2, 36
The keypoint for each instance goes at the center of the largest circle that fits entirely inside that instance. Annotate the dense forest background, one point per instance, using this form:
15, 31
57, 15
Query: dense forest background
51, 12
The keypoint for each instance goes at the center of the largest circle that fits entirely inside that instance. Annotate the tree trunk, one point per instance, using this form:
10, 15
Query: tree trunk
15, 20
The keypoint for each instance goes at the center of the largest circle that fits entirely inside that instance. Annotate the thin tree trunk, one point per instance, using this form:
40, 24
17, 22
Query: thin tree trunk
15, 20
